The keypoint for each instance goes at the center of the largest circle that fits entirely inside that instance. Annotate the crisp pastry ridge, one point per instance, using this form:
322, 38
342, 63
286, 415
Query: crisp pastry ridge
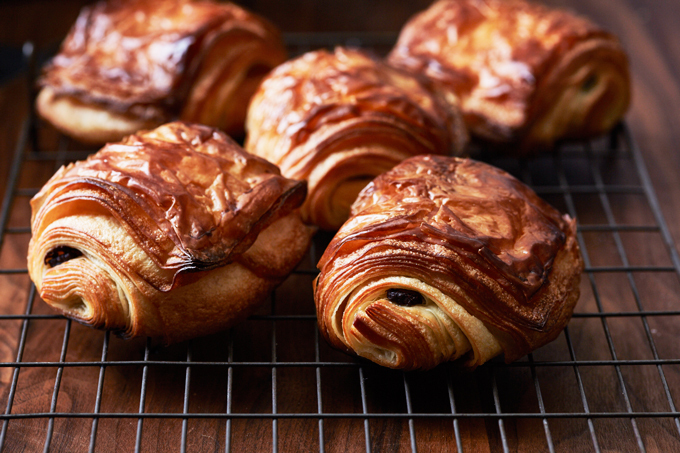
339, 118
525, 74
446, 258
172, 233
128, 65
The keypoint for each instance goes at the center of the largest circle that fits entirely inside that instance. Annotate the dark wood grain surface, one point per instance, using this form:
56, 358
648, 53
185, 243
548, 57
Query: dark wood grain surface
633, 361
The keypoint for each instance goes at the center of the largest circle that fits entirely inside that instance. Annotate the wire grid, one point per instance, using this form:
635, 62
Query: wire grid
271, 378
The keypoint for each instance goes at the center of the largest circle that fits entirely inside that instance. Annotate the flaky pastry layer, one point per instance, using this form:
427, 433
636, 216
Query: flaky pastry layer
132, 63
524, 73
173, 233
337, 119
446, 258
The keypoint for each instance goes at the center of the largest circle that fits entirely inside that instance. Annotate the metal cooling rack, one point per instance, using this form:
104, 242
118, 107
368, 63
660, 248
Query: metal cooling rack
609, 382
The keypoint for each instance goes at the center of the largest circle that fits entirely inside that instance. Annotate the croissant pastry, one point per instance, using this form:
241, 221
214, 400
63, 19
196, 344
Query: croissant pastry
338, 119
172, 233
446, 258
524, 74
128, 65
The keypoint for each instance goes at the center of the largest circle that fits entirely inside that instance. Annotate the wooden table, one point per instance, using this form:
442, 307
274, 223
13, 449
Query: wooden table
275, 376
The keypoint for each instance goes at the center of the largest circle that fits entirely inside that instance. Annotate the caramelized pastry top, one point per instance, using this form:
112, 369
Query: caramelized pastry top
468, 221
143, 53
492, 51
322, 88
190, 195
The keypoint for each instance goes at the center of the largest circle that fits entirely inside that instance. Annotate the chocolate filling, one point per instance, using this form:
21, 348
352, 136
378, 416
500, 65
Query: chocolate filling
404, 297
589, 83
60, 255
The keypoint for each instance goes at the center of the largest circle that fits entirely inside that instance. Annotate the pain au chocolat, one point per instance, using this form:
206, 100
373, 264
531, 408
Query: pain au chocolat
524, 74
128, 65
446, 258
338, 119
172, 233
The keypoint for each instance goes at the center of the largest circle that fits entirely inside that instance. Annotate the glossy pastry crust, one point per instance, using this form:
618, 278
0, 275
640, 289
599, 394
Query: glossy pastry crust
524, 73
171, 233
337, 119
131, 64
445, 258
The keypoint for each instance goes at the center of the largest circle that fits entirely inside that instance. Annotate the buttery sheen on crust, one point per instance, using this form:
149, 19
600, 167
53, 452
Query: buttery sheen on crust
172, 233
133, 64
524, 73
338, 119
445, 258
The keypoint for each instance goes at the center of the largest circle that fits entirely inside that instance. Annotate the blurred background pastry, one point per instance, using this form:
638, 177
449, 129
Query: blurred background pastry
526, 74
128, 65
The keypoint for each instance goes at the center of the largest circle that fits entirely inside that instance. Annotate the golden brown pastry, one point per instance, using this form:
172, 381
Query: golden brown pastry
338, 119
446, 258
524, 74
172, 233
127, 65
